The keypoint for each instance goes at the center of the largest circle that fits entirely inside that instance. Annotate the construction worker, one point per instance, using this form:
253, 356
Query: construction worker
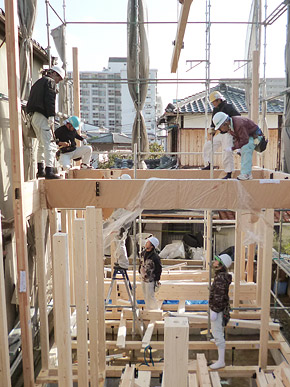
150, 270
246, 136
41, 105
219, 305
220, 105
65, 137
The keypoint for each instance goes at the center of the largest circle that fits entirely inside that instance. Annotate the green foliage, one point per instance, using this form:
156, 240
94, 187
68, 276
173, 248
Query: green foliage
285, 244
111, 160
155, 147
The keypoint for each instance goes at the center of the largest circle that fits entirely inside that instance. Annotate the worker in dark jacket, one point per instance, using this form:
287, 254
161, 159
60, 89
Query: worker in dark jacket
220, 105
219, 305
41, 105
150, 270
246, 136
65, 137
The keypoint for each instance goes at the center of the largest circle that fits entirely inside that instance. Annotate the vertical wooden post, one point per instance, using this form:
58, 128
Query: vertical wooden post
237, 273
255, 92
71, 217
95, 258
76, 81
18, 188
265, 297
62, 310
5, 380
259, 279
250, 264
81, 300
208, 239
243, 258
113, 260
176, 330
41, 282
64, 225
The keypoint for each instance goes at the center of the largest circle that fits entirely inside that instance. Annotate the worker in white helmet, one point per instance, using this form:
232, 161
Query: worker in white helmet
225, 142
41, 105
150, 270
219, 305
246, 136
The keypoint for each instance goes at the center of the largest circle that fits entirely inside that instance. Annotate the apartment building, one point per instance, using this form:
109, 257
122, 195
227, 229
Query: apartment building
106, 101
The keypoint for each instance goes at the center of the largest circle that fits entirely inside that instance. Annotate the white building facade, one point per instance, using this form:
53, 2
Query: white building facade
106, 101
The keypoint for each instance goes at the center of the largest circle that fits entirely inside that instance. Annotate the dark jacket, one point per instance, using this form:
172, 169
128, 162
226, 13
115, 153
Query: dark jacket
243, 129
42, 97
219, 291
225, 107
62, 134
150, 266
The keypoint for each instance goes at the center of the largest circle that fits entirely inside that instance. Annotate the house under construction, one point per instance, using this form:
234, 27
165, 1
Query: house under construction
59, 247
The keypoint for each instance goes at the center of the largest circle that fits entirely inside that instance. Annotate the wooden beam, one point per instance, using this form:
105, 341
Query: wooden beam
61, 309
286, 376
215, 379
238, 248
80, 270
121, 339
202, 371
148, 334
265, 297
143, 380
76, 82
5, 380
259, 279
71, 216
175, 352
128, 378
185, 8
12, 52
250, 263
41, 246
192, 380
187, 194
31, 197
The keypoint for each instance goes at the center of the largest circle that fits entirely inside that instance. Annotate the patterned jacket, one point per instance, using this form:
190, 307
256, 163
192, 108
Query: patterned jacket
219, 291
150, 266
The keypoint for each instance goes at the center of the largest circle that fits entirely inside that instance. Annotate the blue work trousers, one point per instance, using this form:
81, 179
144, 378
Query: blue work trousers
247, 156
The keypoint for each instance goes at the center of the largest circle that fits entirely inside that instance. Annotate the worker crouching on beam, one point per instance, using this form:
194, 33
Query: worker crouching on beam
219, 305
246, 136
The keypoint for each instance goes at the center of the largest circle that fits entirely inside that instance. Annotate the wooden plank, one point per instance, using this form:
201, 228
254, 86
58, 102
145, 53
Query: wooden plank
61, 308
80, 270
206, 194
265, 297
143, 380
208, 239
192, 380
180, 34
215, 379
285, 372
243, 258
13, 70
128, 379
238, 247
31, 197
261, 378
176, 333
70, 219
5, 380
250, 263
113, 261
202, 371
181, 306
148, 334
40, 240
259, 279
96, 294
121, 339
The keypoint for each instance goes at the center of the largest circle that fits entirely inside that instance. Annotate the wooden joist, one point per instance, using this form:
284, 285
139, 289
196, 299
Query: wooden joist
128, 378
215, 379
121, 340
202, 371
192, 380
148, 334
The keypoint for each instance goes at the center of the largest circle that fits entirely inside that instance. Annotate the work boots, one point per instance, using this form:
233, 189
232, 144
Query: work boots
227, 176
40, 170
206, 168
49, 174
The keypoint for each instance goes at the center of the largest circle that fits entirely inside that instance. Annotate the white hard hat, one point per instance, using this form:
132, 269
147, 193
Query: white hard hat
225, 259
125, 176
58, 70
154, 241
216, 95
218, 119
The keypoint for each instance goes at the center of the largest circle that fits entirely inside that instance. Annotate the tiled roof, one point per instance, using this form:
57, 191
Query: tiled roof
196, 103
110, 138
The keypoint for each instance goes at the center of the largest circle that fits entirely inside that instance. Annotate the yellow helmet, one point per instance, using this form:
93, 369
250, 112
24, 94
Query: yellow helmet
216, 95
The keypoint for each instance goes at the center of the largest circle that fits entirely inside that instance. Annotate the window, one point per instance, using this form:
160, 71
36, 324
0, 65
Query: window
111, 100
96, 122
95, 115
111, 123
111, 115
112, 107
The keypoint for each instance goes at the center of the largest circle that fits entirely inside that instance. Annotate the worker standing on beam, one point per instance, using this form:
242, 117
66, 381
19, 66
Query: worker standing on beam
219, 305
246, 136
150, 270
220, 105
41, 105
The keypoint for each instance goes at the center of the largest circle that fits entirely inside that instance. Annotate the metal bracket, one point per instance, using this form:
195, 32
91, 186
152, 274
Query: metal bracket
97, 188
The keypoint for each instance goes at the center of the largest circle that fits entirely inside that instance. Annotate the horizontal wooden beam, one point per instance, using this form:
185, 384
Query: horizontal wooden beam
185, 194
31, 197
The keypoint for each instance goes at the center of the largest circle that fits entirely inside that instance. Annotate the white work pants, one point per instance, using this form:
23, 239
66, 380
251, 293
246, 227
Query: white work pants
123, 260
218, 331
46, 148
149, 295
84, 151
220, 140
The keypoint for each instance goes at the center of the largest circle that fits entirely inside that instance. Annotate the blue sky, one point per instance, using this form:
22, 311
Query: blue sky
96, 43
